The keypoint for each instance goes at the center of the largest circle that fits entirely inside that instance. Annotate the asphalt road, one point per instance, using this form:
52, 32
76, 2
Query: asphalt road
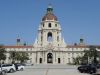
49, 70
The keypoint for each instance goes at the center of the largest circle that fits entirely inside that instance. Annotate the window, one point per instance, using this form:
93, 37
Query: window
58, 44
57, 38
55, 25
41, 38
49, 25
49, 37
43, 24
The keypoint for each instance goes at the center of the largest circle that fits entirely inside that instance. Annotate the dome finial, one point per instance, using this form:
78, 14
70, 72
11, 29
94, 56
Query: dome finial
49, 14
50, 5
49, 9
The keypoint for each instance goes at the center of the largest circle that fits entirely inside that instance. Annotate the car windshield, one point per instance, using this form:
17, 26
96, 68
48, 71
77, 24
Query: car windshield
18, 65
85, 65
6, 65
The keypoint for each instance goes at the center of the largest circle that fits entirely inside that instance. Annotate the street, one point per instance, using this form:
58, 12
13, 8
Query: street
49, 70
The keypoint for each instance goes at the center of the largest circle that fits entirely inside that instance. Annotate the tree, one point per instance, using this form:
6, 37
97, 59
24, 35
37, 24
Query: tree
24, 56
13, 56
98, 56
77, 60
18, 56
90, 56
2, 53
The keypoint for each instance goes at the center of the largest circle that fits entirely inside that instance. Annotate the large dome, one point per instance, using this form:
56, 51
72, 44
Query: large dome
49, 15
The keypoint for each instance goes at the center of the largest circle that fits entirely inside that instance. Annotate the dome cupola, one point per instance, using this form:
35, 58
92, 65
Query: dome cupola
49, 14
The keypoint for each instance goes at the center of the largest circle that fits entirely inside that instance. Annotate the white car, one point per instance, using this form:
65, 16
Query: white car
19, 67
3, 71
9, 67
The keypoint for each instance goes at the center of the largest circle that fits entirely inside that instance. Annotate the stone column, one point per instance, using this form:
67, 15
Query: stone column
45, 57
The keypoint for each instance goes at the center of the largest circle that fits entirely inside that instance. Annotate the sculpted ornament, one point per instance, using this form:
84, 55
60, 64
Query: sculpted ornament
49, 47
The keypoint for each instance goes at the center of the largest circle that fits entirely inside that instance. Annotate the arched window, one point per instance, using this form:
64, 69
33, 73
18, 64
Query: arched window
49, 37
49, 25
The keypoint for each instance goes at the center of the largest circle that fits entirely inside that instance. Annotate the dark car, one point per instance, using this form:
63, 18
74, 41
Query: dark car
87, 68
98, 66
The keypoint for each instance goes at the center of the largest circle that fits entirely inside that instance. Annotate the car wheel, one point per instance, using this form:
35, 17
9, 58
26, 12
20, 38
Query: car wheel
3, 73
21, 69
91, 71
81, 71
11, 70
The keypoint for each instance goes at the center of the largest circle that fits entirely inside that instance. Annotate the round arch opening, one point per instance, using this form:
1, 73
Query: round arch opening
49, 37
49, 58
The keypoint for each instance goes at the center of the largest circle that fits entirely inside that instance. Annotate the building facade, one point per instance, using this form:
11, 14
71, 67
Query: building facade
49, 46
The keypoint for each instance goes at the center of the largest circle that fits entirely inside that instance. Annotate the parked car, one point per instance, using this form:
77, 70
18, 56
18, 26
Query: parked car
19, 67
9, 67
90, 68
3, 71
98, 70
98, 66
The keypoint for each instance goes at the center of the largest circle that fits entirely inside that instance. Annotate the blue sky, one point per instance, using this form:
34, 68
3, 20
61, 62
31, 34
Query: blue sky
22, 18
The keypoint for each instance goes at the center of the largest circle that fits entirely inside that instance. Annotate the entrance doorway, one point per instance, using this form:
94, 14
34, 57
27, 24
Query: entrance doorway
49, 58
58, 60
40, 60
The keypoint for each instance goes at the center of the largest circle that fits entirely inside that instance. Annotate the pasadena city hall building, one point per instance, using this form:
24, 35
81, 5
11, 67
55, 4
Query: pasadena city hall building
49, 46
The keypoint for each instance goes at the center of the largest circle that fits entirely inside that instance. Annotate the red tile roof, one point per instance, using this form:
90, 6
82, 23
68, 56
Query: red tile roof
18, 46
84, 46
49, 16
